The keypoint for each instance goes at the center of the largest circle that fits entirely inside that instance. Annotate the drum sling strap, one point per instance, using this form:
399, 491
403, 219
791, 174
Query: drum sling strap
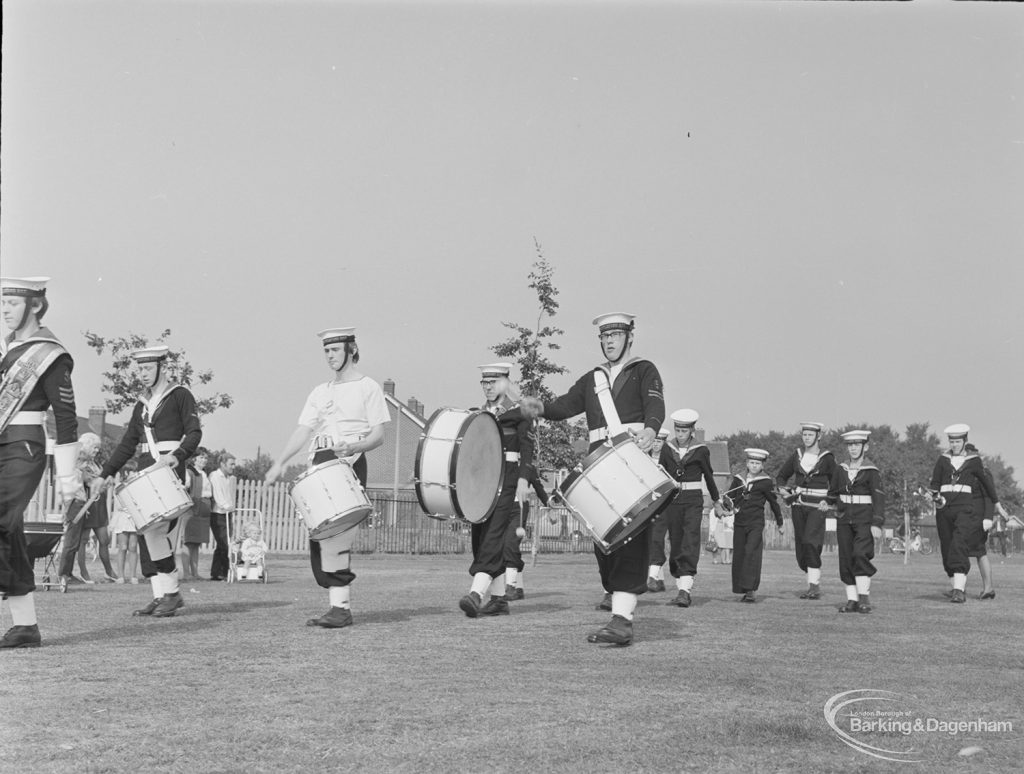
21, 378
604, 397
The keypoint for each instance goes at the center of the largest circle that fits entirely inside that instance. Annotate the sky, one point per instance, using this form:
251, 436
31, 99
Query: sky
812, 208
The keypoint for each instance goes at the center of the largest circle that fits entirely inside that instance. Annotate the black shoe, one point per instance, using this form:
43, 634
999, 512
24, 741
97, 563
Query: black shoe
661, 585
988, 595
470, 604
22, 637
864, 604
495, 606
682, 599
958, 596
948, 593
148, 609
335, 618
618, 631
170, 604
652, 584
513, 593
750, 596
813, 592
851, 606
604, 604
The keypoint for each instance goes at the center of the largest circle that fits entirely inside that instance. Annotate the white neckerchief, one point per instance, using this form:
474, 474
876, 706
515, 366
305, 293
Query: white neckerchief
958, 461
809, 457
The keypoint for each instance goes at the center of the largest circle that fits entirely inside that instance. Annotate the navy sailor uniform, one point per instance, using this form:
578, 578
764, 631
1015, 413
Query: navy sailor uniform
955, 522
860, 503
23, 458
749, 496
638, 398
811, 486
493, 551
176, 429
688, 466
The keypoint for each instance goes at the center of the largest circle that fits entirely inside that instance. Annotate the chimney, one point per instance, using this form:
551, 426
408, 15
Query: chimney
98, 420
416, 407
389, 387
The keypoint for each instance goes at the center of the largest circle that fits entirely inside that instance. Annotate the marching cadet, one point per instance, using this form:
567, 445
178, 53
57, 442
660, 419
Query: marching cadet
688, 463
494, 550
35, 374
165, 421
343, 418
627, 390
749, 494
811, 470
955, 477
857, 491
981, 523
658, 530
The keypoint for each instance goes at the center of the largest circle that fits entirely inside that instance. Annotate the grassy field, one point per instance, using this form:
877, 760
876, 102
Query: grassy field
238, 683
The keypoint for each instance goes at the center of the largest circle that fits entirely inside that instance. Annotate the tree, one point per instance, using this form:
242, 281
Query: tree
122, 385
558, 443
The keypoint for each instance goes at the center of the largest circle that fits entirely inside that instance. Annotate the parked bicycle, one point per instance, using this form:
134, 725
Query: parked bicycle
918, 544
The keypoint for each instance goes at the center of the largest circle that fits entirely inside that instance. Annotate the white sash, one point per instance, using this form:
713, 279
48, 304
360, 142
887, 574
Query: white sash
604, 397
21, 377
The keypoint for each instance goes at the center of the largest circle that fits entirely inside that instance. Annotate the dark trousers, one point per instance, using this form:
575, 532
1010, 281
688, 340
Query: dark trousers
625, 569
658, 530
808, 536
488, 537
748, 550
513, 543
684, 536
856, 550
219, 567
72, 538
954, 524
21, 468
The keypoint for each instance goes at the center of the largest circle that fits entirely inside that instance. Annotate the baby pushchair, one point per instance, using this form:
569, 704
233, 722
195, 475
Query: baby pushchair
247, 565
43, 538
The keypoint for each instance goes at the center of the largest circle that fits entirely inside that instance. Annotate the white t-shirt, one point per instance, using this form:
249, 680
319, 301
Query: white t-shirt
345, 411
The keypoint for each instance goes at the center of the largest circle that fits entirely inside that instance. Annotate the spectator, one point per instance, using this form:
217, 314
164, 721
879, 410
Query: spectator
197, 530
220, 511
86, 471
127, 540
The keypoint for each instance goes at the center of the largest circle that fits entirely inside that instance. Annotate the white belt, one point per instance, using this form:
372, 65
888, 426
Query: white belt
811, 492
511, 457
28, 418
602, 432
956, 488
684, 485
856, 499
162, 446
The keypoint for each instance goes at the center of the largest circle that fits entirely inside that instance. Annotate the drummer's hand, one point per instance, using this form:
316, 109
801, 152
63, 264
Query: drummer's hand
719, 509
645, 438
168, 461
273, 474
522, 490
343, 449
531, 407
97, 485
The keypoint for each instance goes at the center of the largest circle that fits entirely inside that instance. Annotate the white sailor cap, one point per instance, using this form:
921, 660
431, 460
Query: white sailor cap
30, 287
685, 418
957, 431
856, 436
615, 321
815, 426
151, 354
495, 370
756, 454
663, 433
337, 335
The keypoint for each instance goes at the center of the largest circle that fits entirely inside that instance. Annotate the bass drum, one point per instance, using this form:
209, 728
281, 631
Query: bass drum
460, 465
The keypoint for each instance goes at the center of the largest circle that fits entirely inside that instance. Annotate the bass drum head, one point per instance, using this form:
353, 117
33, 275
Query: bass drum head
478, 467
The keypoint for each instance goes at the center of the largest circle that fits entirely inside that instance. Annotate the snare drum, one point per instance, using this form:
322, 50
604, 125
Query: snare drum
616, 490
330, 499
152, 496
460, 465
